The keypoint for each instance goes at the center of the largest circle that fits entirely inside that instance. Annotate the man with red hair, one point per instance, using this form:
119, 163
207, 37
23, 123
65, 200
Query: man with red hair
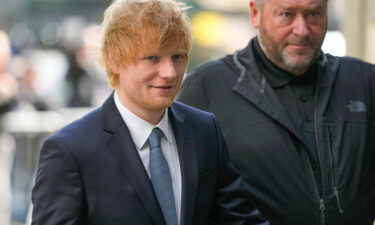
141, 159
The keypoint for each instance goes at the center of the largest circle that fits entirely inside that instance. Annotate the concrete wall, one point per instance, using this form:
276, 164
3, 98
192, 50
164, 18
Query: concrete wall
359, 29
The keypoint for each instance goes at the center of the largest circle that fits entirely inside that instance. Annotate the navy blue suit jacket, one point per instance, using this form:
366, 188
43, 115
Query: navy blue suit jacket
90, 173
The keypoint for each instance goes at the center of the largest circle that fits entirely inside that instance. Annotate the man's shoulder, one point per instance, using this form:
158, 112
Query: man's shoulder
190, 111
80, 129
350, 69
193, 116
351, 63
352, 73
210, 68
200, 121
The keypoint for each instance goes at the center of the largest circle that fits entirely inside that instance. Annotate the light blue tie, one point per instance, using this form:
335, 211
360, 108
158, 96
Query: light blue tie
161, 178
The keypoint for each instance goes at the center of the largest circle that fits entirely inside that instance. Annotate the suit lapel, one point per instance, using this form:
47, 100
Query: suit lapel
188, 162
123, 149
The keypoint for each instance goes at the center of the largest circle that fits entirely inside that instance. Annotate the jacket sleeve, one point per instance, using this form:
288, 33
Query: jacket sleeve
57, 194
232, 207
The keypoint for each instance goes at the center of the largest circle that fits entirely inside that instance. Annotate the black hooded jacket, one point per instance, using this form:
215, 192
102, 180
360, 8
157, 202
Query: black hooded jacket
260, 136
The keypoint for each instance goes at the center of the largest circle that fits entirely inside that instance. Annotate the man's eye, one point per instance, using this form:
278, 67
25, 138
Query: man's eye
178, 57
314, 14
286, 14
152, 58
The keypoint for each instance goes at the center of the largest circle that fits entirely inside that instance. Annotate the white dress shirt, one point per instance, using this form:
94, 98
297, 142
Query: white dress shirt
140, 130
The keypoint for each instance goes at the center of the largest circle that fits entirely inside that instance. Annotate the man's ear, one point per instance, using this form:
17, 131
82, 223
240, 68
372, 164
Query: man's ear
254, 14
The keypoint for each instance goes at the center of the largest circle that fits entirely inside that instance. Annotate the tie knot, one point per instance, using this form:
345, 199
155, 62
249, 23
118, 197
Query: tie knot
154, 138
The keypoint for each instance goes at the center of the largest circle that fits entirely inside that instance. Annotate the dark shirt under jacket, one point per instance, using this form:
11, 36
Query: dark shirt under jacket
296, 93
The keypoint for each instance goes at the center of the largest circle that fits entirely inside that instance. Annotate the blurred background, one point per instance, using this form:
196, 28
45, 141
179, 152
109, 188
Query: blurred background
49, 75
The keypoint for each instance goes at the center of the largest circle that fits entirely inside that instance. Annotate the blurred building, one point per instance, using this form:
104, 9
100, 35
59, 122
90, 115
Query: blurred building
359, 28
220, 26
53, 35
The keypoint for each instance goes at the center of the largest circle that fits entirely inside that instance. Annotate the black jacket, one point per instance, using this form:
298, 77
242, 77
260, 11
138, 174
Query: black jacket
260, 136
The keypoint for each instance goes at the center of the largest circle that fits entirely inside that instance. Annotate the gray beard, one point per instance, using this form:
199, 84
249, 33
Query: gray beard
297, 68
286, 63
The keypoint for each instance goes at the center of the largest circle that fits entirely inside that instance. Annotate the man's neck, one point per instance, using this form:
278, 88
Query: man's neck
152, 116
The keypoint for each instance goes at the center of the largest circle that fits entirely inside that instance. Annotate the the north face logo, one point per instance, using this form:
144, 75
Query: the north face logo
357, 106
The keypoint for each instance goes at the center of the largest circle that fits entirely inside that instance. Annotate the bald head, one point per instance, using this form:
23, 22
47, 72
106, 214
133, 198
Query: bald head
260, 3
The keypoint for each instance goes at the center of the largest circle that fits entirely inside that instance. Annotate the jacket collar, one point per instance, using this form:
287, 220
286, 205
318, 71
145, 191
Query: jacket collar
275, 76
246, 62
122, 147
253, 86
328, 70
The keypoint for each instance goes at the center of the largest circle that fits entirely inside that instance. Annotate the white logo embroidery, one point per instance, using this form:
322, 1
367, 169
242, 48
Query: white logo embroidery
357, 106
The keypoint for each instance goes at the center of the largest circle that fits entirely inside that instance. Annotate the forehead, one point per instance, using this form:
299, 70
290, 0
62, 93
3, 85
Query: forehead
154, 50
295, 3
149, 44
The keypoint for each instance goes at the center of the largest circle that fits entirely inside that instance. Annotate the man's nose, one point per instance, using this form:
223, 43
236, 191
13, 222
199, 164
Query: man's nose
168, 69
301, 27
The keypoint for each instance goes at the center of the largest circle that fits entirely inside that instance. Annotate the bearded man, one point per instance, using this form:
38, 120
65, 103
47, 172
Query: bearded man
299, 123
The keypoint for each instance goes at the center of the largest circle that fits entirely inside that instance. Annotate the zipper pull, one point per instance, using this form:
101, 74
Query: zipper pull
263, 85
336, 192
322, 209
322, 206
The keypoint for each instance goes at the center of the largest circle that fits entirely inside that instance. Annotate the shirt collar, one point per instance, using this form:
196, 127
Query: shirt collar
139, 128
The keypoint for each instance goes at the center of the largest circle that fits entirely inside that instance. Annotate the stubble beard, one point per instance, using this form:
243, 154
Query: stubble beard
281, 58
297, 66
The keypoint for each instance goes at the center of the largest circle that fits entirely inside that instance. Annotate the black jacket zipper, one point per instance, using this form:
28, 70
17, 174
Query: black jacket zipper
333, 171
322, 207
